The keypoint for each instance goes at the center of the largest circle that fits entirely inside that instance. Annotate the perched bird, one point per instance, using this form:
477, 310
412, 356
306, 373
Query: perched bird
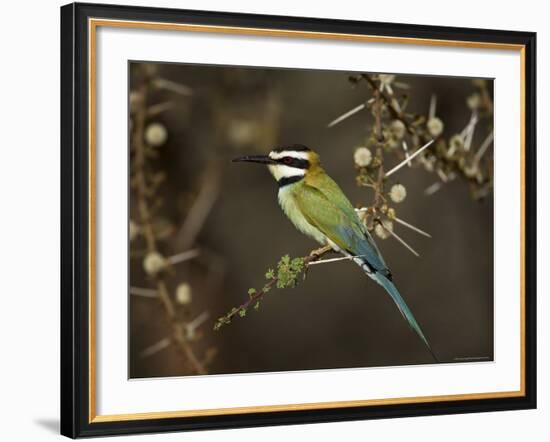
318, 208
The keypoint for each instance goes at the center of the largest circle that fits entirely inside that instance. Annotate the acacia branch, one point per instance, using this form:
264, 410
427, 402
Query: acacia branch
395, 112
287, 275
378, 116
446, 160
144, 193
379, 183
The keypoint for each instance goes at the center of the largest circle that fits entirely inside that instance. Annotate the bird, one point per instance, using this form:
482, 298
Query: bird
318, 208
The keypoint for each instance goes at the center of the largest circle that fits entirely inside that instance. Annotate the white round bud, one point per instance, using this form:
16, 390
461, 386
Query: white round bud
456, 143
386, 78
183, 293
133, 230
241, 132
362, 156
435, 126
474, 101
135, 101
153, 263
155, 134
471, 170
381, 229
398, 129
398, 193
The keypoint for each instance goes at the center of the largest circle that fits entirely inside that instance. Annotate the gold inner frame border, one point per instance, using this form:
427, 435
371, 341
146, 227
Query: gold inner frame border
93, 24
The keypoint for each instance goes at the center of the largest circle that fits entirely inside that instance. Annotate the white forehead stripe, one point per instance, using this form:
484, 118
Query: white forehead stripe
289, 153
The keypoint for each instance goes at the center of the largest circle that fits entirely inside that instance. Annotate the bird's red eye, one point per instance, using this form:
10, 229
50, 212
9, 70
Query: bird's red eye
287, 160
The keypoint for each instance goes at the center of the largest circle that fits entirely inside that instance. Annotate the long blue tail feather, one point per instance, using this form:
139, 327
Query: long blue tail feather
403, 308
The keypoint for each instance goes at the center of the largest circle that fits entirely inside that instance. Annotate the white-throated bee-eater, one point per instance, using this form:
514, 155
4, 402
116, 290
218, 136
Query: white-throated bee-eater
318, 208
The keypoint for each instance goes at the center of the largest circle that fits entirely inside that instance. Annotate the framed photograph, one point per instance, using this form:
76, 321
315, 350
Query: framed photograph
279, 220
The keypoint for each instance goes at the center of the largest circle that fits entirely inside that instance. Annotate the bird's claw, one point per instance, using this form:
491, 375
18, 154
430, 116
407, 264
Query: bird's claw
317, 253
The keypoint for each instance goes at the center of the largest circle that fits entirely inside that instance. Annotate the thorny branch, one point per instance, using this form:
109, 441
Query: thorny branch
144, 193
448, 160
394, 130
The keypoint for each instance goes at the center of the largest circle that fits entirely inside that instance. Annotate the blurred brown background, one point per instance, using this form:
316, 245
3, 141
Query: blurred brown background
338, 317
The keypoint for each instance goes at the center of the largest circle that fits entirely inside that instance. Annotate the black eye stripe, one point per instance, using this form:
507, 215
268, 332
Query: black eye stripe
294, 162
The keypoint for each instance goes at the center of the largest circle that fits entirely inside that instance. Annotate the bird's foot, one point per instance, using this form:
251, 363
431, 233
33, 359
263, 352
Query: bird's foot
317, 253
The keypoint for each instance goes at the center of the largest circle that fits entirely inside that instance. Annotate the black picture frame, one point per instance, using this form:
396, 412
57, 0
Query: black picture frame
75, 219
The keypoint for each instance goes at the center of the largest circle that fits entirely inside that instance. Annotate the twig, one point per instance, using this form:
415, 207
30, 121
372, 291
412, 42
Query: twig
471, 122
406, 150
433, 104
155, 348
468, 132
156, 109
483, 148
378, 116
347, 115
140, 180
208, 194
410, 226
166, 300
430, 190
178, 88
402, 163
396, 113
398, 238
343, 258
198, 321
379, 184
180, 336
256, 297
442, 175
146, 293
184, 256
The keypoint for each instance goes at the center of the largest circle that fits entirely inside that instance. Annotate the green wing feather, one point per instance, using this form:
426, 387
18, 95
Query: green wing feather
332, 192
326, 207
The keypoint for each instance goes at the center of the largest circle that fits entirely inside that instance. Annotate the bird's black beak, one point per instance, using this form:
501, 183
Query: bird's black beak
262, 159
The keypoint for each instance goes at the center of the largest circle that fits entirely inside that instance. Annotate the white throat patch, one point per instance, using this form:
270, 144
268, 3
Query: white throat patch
280, 171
